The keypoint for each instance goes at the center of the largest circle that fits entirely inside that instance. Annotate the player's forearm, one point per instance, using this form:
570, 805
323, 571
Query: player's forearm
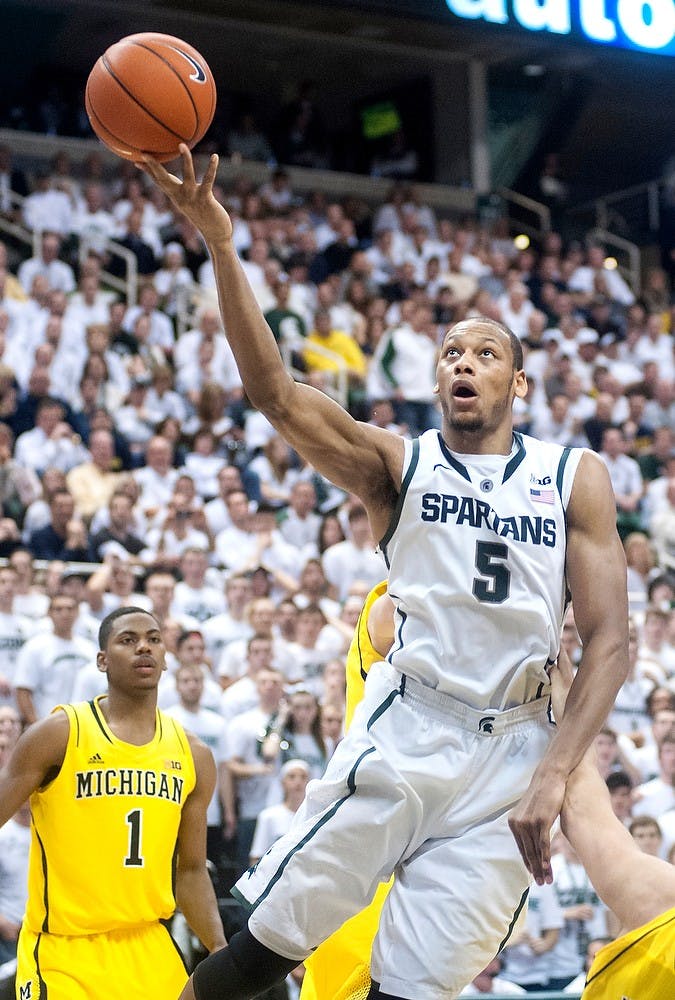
586, 795
602, 671
197, 902
262, 371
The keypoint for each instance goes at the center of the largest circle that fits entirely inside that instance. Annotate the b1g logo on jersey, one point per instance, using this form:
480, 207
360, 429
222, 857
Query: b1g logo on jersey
546, 481
26, 991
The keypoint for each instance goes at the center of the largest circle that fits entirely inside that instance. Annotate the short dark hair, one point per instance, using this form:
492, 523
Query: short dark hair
618, 779
109, 620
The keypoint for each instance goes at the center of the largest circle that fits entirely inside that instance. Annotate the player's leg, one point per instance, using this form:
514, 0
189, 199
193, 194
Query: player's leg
355, 825
241, 971
58, 968
450, 910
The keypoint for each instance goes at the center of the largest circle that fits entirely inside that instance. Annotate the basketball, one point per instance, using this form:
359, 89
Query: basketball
148, 93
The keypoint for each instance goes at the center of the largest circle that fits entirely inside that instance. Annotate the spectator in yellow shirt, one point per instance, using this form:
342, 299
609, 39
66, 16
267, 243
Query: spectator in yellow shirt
322, 370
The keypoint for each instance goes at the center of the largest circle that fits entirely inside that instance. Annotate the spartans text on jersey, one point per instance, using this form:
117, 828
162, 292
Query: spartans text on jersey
445, 507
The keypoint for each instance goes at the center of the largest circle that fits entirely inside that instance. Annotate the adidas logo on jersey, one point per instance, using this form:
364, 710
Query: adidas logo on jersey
95, 759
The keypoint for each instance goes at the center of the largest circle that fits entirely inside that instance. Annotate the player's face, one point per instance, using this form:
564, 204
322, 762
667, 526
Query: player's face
134, 656
476, 381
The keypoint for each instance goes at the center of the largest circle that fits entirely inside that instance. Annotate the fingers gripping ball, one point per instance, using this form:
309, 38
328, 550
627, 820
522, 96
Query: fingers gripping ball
148, 93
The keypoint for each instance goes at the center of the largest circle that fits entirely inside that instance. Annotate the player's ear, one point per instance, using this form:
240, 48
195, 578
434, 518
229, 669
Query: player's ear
102, 661
520, 384
436, 389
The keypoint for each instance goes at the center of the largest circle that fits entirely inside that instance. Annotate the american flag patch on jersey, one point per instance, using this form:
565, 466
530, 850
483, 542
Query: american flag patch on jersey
542, 496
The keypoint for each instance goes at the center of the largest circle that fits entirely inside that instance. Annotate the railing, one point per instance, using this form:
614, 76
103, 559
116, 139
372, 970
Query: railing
30, 239
541, 212
633, 208
128, 286
338, 387
629, 260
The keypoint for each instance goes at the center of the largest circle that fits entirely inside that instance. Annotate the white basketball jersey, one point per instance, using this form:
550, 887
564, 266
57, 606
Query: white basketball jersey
476, 557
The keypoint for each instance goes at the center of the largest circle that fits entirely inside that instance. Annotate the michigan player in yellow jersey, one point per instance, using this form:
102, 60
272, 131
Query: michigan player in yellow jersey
118, 794
340, 967
638, 888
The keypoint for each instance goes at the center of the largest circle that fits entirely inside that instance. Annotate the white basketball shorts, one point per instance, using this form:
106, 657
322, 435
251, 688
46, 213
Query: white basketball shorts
421, 786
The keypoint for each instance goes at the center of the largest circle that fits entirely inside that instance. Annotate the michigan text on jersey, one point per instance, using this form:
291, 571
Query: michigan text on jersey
128, 781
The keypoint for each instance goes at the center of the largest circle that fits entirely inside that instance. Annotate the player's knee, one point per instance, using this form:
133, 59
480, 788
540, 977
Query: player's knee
240, 971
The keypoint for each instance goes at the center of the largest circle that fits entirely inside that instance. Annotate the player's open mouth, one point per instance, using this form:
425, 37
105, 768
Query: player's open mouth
462, 390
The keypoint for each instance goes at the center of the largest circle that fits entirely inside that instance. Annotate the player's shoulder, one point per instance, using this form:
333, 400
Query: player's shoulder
200, 751
48, 737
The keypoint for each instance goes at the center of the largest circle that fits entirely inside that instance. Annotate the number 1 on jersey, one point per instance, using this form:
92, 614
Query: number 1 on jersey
134, 858
490, 562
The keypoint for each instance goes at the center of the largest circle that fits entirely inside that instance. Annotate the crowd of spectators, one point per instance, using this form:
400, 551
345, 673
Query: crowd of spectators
134, 471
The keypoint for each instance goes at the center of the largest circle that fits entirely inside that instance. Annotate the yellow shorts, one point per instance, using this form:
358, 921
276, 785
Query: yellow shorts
140, 963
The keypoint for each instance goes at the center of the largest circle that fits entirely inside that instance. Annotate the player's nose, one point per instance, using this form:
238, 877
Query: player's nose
466, 362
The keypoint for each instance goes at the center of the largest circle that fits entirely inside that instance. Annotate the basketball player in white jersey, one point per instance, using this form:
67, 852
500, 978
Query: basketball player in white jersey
451, 774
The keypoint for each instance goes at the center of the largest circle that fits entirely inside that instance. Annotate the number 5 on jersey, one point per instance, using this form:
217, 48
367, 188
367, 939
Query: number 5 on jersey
495, 582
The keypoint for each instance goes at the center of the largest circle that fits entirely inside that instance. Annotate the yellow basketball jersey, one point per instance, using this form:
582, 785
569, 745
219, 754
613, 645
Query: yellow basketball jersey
362, 654
639, 965
340, 967
104, 830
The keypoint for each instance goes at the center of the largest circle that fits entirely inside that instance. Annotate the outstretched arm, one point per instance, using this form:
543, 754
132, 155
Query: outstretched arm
635, 886
353, 455
596, 572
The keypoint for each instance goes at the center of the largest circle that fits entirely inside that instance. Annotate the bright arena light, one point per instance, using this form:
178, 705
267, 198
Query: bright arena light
611, 263
521, 242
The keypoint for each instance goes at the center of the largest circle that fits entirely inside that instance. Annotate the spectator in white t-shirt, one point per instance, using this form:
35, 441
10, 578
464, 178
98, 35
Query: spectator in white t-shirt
355, 558
49, 663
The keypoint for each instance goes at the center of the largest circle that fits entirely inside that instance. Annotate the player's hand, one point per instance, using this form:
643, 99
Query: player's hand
196, 200
582, 911
531, 823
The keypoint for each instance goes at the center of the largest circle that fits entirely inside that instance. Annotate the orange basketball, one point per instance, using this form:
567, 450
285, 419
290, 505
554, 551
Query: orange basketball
149, 92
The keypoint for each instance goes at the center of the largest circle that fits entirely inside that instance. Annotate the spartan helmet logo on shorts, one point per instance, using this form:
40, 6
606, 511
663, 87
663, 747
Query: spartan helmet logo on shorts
485, 724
